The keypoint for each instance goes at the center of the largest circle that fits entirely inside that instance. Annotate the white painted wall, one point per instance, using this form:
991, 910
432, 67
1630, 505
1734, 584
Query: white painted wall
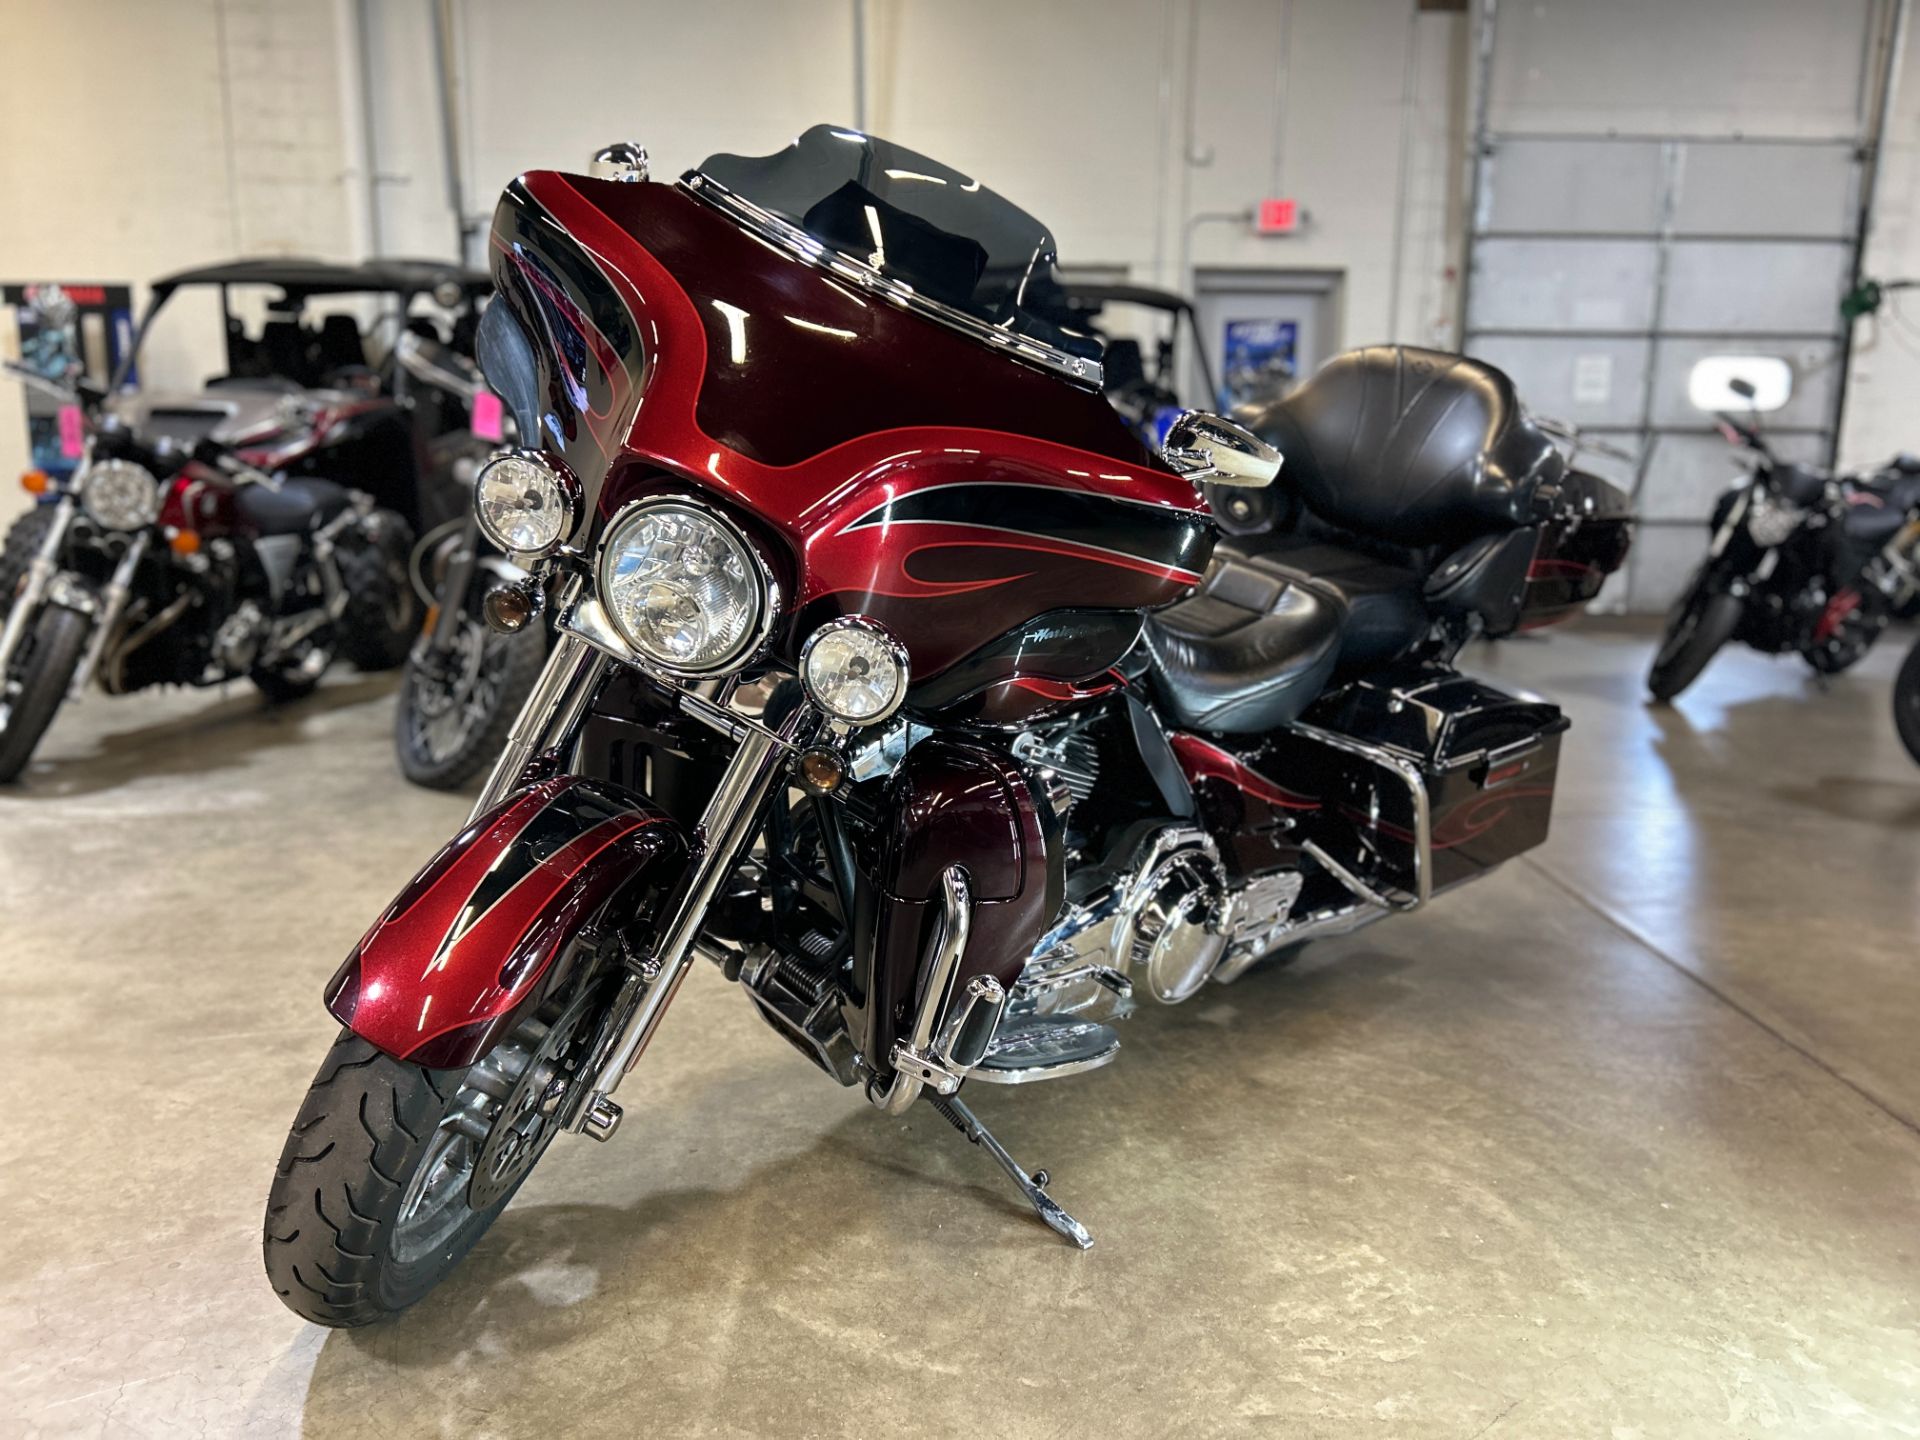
141, 138
1881, 416
208, 128
1114, 120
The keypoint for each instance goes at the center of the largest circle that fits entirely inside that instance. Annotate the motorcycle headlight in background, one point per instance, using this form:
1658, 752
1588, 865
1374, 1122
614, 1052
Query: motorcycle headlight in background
120, 495
683, 587
854, 670
1771, 520
523, 503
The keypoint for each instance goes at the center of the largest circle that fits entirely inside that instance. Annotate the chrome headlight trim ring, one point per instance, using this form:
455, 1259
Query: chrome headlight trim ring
565, 487
759, 632
107, 490
871, 627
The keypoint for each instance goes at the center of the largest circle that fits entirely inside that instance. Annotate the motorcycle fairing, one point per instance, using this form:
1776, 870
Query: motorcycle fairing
918, 478
451, 963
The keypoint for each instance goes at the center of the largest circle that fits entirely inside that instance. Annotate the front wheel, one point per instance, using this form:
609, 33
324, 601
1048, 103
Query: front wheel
392, 1171
1700, 624
457, 705
1906, 702
30, 694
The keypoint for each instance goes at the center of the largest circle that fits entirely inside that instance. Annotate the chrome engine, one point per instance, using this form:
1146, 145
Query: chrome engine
1170, 921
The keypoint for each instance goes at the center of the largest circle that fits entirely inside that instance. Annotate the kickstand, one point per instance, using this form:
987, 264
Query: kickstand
1033, 1186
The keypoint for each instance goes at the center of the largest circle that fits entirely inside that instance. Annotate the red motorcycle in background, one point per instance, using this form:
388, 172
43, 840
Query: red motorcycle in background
895, 677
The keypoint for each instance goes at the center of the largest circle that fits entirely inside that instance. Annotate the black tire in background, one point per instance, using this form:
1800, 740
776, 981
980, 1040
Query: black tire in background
511, 665
382, 617
24, 538
45, 665
1700, 624
1906, 702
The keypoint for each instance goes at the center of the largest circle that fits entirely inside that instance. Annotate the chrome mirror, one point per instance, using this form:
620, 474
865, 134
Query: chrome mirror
1202, 446
622, 161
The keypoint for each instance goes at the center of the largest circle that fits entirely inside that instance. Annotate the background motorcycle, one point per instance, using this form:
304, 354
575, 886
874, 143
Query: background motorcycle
464, 680
178, 562
309, 387
856, 694
1799, 561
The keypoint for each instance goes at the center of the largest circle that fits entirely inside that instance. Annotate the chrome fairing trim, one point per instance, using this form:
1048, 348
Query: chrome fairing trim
784, 235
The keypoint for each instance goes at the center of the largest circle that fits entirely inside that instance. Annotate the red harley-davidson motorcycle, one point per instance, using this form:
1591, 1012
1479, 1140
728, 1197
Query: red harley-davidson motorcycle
896, 678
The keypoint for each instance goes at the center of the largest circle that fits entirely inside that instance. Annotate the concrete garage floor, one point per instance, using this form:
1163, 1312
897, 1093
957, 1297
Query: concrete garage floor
1622, 1142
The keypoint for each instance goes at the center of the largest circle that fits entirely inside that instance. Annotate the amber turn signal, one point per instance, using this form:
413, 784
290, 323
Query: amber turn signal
821, 770
508, 608
184, 542
34, 482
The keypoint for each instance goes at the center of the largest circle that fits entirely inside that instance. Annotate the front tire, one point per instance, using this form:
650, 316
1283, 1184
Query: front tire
24, 539
33, 692
392, 1172
360, 1139
1906, 702
1701, 623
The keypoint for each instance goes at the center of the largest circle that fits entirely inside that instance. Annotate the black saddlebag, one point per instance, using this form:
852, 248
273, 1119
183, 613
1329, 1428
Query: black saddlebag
1485, 760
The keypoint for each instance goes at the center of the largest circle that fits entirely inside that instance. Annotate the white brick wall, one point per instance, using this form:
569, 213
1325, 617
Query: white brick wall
118, 162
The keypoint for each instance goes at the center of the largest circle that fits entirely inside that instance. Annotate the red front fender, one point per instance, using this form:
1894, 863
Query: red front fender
444, 972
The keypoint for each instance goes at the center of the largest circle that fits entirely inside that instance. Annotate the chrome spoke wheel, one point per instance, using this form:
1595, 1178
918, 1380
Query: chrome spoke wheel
455, 694
501, 1121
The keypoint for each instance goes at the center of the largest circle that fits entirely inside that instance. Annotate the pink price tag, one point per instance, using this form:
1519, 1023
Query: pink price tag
73, 433
489, 421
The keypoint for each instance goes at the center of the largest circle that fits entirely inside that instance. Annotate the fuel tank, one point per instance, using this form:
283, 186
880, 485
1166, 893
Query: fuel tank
891, 468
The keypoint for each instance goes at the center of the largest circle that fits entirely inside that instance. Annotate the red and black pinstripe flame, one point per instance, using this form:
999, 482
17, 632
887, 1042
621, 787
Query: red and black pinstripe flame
473, 933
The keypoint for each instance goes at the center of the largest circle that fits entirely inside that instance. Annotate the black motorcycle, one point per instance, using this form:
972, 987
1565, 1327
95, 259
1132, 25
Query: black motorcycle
465, 679
170, 557
1801, 561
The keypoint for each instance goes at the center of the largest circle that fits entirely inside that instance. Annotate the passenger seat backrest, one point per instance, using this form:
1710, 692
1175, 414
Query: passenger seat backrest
1416, 447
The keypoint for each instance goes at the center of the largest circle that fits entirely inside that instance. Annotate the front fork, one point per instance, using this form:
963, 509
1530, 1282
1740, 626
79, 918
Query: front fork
548, 724
113, 603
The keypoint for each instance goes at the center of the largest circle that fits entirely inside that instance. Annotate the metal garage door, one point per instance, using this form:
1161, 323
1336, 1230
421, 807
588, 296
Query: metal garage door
1601, 266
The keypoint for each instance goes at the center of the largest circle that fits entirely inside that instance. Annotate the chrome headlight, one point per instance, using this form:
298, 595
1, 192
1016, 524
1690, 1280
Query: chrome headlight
1771, 520
684, 588
854, 670
523, 502
120, 495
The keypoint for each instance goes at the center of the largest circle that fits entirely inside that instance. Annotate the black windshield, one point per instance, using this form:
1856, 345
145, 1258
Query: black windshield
916, 220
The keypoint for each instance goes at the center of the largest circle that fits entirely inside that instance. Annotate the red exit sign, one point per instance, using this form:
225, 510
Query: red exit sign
1277, 217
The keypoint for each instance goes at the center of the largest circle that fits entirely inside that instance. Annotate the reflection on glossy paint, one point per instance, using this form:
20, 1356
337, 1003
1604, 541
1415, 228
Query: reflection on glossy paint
736, 331
819, 329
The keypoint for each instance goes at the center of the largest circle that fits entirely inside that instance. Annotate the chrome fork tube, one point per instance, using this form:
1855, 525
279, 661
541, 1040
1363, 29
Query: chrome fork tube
555, 708
113, 600
727, 827
40, 571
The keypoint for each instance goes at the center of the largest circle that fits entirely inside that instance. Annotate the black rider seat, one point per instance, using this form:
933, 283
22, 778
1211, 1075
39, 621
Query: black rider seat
297, 506
1383, 609
1411, 453
1872, 521
1249, 650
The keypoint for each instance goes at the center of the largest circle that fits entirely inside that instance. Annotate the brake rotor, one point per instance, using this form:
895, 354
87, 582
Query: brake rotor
525, 1122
